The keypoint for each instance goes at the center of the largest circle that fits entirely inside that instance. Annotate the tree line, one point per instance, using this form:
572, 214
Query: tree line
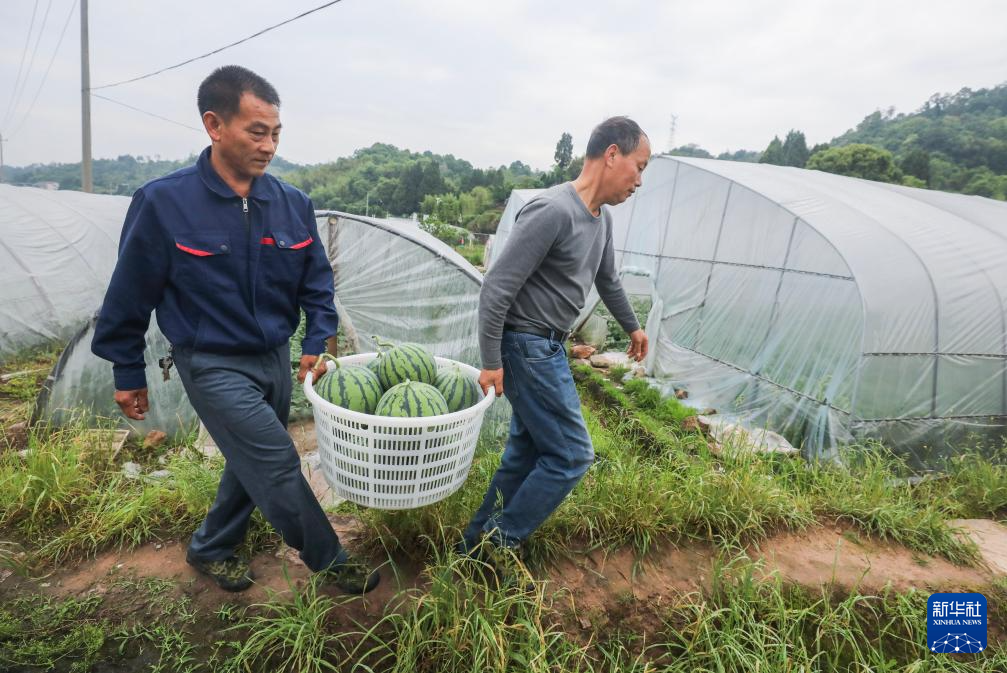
953, 142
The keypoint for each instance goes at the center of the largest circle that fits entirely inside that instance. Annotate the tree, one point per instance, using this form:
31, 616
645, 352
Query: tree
432, 182
748, 156
917, 163
795, 149
575, 167
985, 182
773, 153
691, 150
564, 151
820, 147
519, 168
859, 161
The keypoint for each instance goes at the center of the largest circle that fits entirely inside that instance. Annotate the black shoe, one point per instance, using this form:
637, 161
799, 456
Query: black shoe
352, 576
230, 574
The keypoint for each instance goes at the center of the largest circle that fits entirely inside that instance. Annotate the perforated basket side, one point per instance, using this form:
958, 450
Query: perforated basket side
395, 463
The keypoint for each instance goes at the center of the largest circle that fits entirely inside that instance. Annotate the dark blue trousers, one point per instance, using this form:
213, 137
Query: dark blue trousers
244, 402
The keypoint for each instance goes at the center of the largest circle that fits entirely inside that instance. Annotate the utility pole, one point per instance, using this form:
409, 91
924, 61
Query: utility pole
86, 182
671, 135
2, 141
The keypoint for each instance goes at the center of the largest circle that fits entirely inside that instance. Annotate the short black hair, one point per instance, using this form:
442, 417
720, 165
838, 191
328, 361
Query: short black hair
221, 92
622, 132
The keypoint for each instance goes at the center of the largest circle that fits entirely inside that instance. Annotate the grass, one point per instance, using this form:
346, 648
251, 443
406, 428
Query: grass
975, 485
27, 370
458, 623
461, 622
472, 252
295, 634
42, 632
652, 484
65, 500
750, 624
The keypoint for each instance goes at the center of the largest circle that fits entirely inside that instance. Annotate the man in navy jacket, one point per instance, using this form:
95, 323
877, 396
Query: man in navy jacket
228, 256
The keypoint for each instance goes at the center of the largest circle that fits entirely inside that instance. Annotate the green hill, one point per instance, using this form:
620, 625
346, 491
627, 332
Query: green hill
953, 142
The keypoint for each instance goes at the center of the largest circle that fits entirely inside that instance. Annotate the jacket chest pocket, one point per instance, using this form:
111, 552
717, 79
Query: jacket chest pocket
203, 259
284, 252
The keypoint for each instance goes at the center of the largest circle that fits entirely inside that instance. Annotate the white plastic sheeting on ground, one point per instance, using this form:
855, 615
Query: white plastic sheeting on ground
57, 252
828, 308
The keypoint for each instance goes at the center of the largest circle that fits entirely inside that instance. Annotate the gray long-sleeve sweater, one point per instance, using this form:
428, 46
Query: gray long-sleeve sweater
556, 250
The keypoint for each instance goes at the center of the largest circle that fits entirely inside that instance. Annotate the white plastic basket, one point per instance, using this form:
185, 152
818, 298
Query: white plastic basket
395, 463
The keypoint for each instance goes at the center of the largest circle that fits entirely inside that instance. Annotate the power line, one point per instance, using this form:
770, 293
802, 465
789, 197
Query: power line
217, 51
149, 114
24, 52
34, 52
48, 68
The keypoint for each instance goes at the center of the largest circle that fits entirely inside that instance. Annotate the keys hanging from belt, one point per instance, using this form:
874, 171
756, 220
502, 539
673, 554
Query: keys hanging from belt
165, 364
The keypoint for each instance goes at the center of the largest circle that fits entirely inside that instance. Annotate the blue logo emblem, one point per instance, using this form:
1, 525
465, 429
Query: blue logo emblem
956, 623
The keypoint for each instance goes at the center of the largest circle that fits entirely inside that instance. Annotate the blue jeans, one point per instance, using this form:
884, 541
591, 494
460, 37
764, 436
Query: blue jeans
548, 450
244, 401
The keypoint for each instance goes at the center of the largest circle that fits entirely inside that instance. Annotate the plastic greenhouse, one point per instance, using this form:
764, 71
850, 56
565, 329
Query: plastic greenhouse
400, 284
828, 308
518, 198
393, 281
56, 257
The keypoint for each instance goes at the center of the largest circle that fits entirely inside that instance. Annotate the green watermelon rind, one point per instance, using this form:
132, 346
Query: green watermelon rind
406, 362
412, 399
459, 390
443, 366
352, 387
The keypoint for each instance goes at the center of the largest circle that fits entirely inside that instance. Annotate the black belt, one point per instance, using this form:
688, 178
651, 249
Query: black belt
544, 332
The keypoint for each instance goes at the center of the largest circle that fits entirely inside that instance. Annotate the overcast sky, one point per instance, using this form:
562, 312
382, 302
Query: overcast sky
495, 82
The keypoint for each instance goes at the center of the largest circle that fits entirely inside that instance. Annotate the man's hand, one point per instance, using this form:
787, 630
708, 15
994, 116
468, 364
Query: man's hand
133, 403
491, 378
307, 362
637, 345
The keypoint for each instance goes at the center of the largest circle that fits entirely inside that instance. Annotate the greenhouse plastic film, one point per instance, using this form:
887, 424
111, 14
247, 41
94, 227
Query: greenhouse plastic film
56, 257
831, 309
400, 284
392, 281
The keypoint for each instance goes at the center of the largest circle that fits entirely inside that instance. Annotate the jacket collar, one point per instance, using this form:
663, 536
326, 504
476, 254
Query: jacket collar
260, 187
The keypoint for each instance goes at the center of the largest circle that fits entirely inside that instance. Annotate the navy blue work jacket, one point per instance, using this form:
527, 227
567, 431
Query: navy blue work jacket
225, 274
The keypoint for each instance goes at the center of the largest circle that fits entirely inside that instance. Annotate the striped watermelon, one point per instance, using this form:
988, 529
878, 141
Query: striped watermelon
350, 386
412, 399
374, 364
460, 391
405, 362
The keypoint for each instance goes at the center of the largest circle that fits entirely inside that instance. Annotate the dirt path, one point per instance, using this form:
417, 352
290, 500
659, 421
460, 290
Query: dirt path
590, 583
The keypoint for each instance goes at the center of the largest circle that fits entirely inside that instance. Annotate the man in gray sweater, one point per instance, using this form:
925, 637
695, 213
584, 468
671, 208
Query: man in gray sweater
561, 245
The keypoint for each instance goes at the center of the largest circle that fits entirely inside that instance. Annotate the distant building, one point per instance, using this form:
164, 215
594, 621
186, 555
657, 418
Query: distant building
47, 184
